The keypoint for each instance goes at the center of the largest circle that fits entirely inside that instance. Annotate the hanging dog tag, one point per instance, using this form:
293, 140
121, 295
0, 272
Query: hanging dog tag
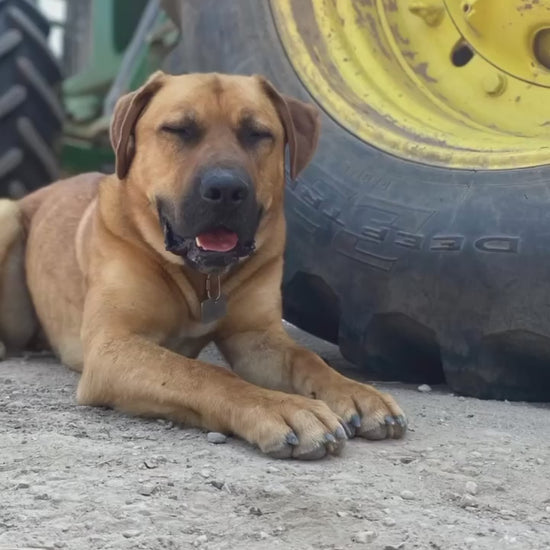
213, 310
215, 305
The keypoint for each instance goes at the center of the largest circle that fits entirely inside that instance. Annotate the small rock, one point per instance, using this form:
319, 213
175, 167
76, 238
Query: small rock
424, 388
388, 522
205, 473
277, 490
146, 490
255, 511
22, 485
272, 470
467, 500
476, 454
399, 546
341, 514
407, 495
131, 533
200, 540
547, 509
217, 484
540, 461
508, 513
469, 541
216, 438
263, 535
364, 537
471, 487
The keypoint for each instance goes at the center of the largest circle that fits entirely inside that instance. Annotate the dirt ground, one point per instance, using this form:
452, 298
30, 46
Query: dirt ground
470, 474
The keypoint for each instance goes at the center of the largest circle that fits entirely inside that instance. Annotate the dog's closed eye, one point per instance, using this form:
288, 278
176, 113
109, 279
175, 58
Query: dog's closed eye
188, 131
250, 133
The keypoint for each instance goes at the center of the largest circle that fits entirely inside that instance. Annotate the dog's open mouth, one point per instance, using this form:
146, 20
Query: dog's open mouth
219, 239
210, 250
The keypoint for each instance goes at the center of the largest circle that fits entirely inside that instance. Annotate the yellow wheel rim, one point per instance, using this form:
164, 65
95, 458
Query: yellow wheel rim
455, 83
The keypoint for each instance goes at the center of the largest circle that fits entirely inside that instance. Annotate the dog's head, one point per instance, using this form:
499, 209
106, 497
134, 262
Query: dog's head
203, 155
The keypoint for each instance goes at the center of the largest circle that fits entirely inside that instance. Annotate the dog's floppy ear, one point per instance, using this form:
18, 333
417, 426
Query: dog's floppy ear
125, 116
302, 125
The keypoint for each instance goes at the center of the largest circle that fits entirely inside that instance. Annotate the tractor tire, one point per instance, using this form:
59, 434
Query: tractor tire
31, 113
421, 273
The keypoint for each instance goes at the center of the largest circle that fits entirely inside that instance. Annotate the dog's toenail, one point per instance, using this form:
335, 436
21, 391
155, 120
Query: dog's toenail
402, 421
340, 433
292, 439
355, 421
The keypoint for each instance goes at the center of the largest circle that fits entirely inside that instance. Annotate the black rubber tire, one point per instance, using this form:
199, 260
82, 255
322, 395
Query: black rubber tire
420, 273
31, 113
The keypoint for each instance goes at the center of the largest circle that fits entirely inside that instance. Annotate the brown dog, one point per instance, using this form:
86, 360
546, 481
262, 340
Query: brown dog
129, 276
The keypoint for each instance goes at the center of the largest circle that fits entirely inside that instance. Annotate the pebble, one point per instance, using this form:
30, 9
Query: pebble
469, 541
216, 438
263, 535
468, 500
508, 513
276, 490
205, 473
471, 487
22, 485
341, 514
131, 533
388, 522
399, 546
407, 495
272, 470
146, 490
364, 537
424, 388
547, 509
201, 539
217, 484
540, 460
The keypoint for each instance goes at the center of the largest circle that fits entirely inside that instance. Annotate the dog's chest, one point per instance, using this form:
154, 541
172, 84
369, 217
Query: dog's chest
191, 338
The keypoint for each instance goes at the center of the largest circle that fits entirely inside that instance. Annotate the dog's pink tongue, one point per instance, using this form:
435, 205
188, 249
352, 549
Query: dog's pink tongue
218, 240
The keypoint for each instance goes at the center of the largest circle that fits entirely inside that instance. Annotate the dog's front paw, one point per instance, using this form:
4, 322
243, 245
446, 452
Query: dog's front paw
368, 413
292, 426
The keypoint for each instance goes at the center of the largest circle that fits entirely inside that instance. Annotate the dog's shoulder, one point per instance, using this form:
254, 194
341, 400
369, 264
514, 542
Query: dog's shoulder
80, 189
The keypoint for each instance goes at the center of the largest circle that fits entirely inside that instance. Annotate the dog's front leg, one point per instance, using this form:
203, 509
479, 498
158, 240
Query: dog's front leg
270, 358
125, 367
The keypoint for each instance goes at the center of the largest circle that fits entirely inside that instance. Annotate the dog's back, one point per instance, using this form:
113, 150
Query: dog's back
44, 222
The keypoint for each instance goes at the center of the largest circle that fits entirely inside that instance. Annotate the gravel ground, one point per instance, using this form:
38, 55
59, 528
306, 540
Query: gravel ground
470, 474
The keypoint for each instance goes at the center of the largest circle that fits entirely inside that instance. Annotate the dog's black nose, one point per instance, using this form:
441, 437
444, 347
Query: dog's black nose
224, 186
